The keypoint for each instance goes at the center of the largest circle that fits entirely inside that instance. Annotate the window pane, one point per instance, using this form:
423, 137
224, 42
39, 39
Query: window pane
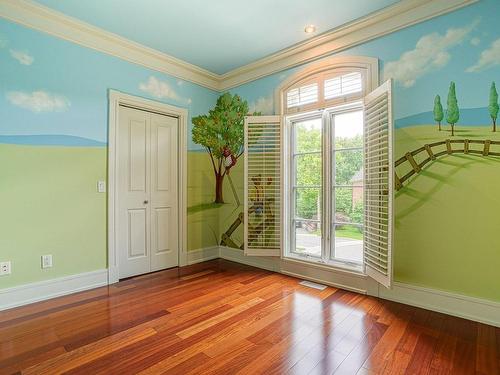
308, 170
348, 205
308, 136
348, 129
349, 167
308, 238
348, 243
308, 204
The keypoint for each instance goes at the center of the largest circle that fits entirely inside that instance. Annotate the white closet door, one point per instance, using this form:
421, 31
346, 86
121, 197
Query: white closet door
133, 224
164, 197
147, 225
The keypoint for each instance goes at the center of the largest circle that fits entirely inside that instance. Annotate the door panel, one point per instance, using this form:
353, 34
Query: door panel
163, 220
137, 241
137, 155
163, 158
133, 224
164, 198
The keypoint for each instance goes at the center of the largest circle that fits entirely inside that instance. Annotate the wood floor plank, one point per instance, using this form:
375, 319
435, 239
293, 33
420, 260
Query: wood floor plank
486, 353
220, 317
68, 361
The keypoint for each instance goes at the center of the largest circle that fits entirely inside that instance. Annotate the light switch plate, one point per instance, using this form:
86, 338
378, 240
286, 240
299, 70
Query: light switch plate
101, 186
5, 268
46, 261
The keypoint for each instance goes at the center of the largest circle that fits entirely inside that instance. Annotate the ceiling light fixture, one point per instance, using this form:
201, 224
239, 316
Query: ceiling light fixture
310, 29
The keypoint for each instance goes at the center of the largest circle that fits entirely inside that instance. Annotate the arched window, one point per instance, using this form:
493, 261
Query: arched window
333, 81
327, 158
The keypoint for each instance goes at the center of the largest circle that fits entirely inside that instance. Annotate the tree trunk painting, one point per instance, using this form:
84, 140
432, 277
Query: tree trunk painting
219, 180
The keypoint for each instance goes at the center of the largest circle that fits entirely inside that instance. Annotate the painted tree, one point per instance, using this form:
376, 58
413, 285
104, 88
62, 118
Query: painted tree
220, 132
493, 105
452, 111
438, 111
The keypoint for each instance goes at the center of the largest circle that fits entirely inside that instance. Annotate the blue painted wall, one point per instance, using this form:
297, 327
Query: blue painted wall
53, 87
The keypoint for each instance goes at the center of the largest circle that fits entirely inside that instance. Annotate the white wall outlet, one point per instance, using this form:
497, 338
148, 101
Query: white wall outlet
46, 261
101, 186
5, 268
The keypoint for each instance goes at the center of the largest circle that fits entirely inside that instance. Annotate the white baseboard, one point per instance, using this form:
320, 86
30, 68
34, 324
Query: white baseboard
203, 254
471, 308
477, 309
43, 290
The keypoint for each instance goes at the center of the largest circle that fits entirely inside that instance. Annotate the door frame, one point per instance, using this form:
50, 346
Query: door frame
115, 98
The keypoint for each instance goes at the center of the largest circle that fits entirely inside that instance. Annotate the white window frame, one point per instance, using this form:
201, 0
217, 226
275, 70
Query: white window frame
326, 69
327, 220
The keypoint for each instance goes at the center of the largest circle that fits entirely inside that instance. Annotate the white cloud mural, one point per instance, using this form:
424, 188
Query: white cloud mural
489, 57
39, 101
264, 105
158, 89
430, 53
23, 57
475, 41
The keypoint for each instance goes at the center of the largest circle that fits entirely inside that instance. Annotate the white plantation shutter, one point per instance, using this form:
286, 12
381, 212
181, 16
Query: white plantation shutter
302, 95
378, 185
262, 214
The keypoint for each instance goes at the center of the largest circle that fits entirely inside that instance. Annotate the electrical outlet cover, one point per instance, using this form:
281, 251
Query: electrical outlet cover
101, 186
5, 268
46, 261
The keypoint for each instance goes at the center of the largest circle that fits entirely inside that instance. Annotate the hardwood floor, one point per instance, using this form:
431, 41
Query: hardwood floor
224, 318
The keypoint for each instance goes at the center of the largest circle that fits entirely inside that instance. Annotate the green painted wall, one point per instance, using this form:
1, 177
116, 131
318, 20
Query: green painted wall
48, 207
447, 217
203, 215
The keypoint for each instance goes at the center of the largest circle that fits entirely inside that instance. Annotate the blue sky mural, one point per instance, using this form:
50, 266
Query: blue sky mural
53, 87
422, 60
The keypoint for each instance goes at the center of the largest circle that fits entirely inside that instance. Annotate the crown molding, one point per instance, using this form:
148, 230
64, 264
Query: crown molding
398, 16
44, 19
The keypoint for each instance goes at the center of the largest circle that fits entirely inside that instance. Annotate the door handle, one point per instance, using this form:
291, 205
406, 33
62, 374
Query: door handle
146, 202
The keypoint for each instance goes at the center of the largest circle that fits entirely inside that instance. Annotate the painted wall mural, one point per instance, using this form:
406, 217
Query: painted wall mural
220, 133
53, 138
443, 141
444, 72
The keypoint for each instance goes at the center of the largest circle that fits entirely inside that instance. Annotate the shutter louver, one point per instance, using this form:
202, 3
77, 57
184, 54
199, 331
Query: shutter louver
302, 95
262, 214
378, 185
343, 85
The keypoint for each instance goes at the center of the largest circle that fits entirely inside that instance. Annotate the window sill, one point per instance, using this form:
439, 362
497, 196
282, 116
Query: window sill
333, 266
